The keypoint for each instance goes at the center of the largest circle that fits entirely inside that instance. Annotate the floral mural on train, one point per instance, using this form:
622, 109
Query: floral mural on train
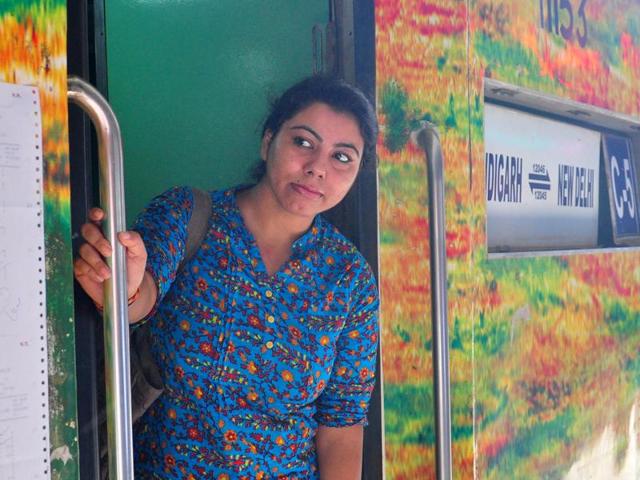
33, 51
544, 351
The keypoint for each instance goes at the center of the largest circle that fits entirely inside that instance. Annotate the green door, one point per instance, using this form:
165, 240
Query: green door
190, 84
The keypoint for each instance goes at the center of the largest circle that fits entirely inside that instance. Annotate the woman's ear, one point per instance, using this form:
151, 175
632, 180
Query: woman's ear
265, 144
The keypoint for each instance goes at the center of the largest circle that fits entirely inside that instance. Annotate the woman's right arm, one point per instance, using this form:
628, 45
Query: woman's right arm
91, 270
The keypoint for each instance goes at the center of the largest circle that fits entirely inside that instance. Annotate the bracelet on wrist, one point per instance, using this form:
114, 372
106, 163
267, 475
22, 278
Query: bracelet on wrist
130, 300
133, 297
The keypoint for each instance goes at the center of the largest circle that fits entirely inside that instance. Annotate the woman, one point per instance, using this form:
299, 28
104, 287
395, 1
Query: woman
267, 337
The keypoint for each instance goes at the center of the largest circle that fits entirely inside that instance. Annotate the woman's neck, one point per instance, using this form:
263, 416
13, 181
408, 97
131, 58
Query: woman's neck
273, 228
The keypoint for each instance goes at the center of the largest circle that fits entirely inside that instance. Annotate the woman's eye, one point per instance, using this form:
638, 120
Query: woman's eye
302, 142
342, 157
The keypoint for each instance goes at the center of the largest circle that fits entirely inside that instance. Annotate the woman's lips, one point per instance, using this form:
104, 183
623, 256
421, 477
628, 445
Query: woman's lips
306, 191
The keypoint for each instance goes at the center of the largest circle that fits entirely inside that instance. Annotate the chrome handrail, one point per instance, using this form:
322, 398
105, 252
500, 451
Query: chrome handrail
428, 140
116, 316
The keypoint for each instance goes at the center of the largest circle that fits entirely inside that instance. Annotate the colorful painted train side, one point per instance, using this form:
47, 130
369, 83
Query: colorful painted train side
544, 345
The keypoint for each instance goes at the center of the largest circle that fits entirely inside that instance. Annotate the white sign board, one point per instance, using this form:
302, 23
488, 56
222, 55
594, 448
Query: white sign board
24, 404
542, 182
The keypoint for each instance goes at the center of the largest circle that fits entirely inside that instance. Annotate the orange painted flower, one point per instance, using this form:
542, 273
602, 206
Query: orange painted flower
295, 332
254, 321
198, 393
287, 376
230, 436
324, 340
185, 325
252, 396
252, 368
354, 334
279, 441
169, 461
293, 288
172, 414
202, 284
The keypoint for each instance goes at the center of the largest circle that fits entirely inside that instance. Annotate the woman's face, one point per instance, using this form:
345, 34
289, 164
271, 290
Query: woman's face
313, 160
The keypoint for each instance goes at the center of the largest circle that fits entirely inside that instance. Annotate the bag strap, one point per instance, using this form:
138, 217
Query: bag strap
146, 381
197, 226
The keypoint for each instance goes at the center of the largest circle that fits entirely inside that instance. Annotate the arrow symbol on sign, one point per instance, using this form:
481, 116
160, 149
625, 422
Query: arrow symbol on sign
538, 181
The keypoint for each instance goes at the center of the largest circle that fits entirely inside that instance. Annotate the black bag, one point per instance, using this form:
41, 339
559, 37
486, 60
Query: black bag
146, 381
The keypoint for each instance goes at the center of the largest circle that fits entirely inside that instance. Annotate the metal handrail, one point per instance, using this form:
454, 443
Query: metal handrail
428, 139
116, 317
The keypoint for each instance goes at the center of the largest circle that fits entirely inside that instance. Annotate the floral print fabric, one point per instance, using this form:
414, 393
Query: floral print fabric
252, 363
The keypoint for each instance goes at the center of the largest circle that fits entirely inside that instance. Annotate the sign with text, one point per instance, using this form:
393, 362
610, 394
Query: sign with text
542, 180
623, 189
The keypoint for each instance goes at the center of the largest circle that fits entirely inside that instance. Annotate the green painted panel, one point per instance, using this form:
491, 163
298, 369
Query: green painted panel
190, 83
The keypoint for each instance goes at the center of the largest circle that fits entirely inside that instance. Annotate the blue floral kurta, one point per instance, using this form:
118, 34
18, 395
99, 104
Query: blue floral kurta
252, 363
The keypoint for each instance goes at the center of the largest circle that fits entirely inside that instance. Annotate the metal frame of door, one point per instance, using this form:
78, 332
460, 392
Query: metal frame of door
357, 215
82, 16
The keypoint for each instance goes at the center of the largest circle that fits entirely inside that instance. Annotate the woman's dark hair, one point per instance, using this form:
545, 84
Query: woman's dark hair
334, 92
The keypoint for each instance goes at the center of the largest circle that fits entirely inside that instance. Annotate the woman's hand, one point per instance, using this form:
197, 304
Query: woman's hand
90, 268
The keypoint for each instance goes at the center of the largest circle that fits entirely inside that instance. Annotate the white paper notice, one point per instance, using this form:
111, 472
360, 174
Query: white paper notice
24, 411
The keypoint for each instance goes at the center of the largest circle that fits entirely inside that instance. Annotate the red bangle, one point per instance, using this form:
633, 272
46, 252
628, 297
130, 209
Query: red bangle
130, 301
133, 297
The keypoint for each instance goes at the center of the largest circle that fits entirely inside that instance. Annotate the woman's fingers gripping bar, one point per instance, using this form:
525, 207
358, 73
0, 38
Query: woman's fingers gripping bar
95, 261
94, 237
82, 270
96, 215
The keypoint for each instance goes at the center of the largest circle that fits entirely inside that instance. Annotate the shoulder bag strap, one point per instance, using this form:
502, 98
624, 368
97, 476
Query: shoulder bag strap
198, 224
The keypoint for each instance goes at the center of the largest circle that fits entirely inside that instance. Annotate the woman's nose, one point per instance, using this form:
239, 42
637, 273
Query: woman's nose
316, 166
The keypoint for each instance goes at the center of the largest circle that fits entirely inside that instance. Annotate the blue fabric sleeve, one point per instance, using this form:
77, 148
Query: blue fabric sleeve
345, 400
163, 227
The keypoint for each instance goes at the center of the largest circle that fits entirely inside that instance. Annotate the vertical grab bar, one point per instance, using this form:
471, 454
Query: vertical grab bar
428, 140
116, 316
